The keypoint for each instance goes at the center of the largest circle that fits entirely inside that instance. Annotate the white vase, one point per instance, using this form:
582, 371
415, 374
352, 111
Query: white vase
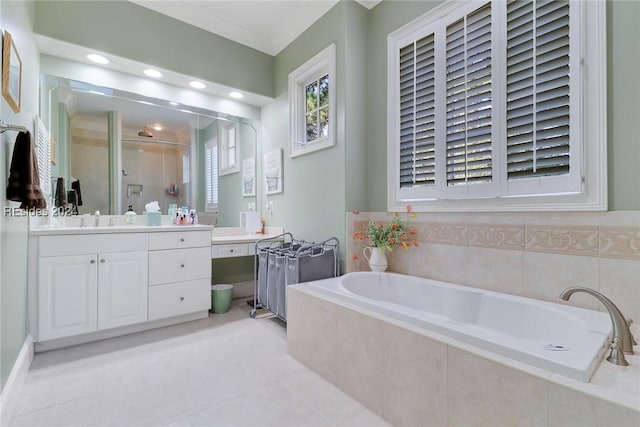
377, 258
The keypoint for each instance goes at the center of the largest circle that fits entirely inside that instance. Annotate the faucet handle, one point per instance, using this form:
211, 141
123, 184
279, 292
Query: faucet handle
617, 355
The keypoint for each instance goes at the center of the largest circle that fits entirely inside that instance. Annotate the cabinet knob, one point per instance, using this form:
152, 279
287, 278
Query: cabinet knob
93, 261
181, 298
182, 265
182, 239
231, 250
102, 261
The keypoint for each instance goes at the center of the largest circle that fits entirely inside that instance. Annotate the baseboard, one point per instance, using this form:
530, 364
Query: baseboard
11, 391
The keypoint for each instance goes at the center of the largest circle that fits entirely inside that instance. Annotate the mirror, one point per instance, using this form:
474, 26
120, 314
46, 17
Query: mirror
120, 148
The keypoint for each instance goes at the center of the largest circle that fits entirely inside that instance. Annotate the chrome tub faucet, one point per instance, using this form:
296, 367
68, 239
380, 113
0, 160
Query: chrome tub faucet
622, 341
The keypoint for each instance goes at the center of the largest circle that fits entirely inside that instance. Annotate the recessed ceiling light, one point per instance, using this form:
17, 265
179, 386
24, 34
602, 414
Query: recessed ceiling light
97, 92
173, 103
236, 95
145, 102
197, 85
157, 127
153, 73
98, 59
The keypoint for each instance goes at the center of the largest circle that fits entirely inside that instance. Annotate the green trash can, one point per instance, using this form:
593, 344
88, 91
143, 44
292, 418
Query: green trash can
221, 298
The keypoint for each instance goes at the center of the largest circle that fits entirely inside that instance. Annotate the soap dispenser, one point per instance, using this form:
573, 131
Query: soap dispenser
130, 215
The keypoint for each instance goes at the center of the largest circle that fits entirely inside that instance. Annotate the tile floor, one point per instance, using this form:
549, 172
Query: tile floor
227, 370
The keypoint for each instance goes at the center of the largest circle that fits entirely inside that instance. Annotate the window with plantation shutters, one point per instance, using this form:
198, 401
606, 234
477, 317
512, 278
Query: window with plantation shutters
490, 107
538, 72
417, 113
43, 152
469, 98
211, 166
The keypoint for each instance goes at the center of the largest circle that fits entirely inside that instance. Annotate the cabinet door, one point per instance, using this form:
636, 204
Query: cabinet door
122, 289
67, 296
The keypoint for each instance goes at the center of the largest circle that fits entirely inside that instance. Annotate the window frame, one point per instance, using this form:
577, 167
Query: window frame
313, 70
228, 137
591, 161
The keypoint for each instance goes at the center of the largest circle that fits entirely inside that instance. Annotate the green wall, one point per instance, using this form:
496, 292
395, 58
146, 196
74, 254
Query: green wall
125, 29
623, 57
623, 45
321, 186
16, 18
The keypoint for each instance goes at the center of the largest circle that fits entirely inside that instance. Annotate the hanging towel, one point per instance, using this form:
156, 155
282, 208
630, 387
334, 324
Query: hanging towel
23, 184
75, 185
72, 202
61, 193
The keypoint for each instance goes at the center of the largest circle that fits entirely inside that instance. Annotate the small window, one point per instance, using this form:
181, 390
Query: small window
228, 149
211, 175
312, 104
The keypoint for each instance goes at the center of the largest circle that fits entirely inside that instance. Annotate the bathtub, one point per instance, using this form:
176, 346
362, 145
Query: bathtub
563, 339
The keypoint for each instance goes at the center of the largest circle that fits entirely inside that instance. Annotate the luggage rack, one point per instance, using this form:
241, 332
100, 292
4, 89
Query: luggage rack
281, 260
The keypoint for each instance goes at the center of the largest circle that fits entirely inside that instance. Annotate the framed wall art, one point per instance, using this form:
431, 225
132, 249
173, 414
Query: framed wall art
272, 166
11, 72
249, 177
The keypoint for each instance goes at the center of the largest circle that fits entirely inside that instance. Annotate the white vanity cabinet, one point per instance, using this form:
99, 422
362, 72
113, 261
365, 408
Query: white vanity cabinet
179, 273
91, 283
88, 283
67, 296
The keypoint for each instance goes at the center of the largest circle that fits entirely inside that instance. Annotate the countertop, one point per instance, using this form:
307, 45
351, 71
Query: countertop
54, 231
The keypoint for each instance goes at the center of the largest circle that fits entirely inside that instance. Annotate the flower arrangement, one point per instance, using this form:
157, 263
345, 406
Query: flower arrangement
390, 235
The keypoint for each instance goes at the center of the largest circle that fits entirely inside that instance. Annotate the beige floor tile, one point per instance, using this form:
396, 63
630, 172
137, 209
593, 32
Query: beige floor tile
225, 370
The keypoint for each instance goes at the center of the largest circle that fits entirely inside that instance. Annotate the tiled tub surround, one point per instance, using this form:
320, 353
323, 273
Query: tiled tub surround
413, 376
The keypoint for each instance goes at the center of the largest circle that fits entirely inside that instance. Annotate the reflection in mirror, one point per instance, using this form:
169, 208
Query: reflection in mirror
124, 149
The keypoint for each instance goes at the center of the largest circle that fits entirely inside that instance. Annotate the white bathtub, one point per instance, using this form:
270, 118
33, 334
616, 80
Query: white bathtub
562, 339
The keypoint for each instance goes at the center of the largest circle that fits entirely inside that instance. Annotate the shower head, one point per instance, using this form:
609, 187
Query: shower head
145, 133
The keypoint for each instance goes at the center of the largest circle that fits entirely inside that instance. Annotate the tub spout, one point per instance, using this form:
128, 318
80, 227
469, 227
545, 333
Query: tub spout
622, 341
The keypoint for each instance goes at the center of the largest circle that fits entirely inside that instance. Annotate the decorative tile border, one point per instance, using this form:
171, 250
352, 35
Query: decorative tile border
496, 236
562, 240
618, 242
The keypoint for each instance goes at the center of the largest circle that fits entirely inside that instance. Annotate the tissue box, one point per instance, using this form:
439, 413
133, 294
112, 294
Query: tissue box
153, 218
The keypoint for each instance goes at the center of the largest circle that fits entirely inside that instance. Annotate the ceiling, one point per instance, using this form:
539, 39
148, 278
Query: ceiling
257, 24
268, 26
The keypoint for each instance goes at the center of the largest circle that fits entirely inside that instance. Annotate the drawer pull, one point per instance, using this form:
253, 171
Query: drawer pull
181, 298
102, 261
231, 250
93, 261
181, 265
182, 239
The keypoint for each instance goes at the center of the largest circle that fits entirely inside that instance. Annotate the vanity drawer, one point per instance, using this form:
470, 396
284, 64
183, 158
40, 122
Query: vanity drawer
227, 251
175, 299
177, 265
179, 239
92, 243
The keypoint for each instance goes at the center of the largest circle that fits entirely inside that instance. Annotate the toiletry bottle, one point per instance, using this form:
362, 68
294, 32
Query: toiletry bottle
173, 208
130, 215
262, 226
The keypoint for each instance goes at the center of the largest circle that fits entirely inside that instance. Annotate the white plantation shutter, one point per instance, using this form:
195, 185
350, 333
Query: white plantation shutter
211, 166
469, 99
489, 100
538, 71
417, 113
43, 151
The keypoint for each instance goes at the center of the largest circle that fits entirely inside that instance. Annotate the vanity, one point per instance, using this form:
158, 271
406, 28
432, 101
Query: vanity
91, 283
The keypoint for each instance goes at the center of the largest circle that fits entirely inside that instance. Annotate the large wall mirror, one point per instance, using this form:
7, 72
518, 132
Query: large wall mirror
121, 148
